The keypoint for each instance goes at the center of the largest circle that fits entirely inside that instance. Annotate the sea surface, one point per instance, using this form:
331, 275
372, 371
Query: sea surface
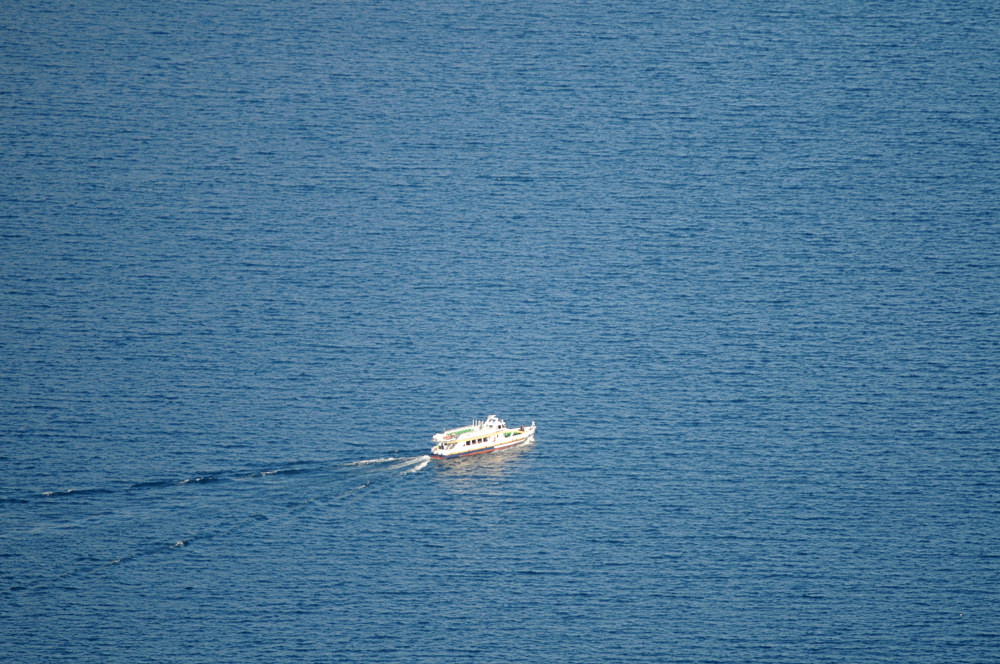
739, 261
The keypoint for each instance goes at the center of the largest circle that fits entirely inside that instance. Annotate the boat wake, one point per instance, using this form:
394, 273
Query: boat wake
424, 460
296, 468
80, 524
369, 462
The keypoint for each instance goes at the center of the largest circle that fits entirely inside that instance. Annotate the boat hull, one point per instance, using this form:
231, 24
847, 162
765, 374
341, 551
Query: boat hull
483, 449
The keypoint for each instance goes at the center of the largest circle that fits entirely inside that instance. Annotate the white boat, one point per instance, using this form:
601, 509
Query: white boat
481, 436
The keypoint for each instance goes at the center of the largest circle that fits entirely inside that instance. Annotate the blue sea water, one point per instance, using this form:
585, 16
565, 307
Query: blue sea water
740, 261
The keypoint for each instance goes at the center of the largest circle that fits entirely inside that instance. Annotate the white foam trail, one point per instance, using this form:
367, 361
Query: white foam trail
368, 462
408, 461
424, 460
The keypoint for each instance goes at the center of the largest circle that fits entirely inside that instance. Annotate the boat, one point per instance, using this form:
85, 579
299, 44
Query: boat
480, 437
